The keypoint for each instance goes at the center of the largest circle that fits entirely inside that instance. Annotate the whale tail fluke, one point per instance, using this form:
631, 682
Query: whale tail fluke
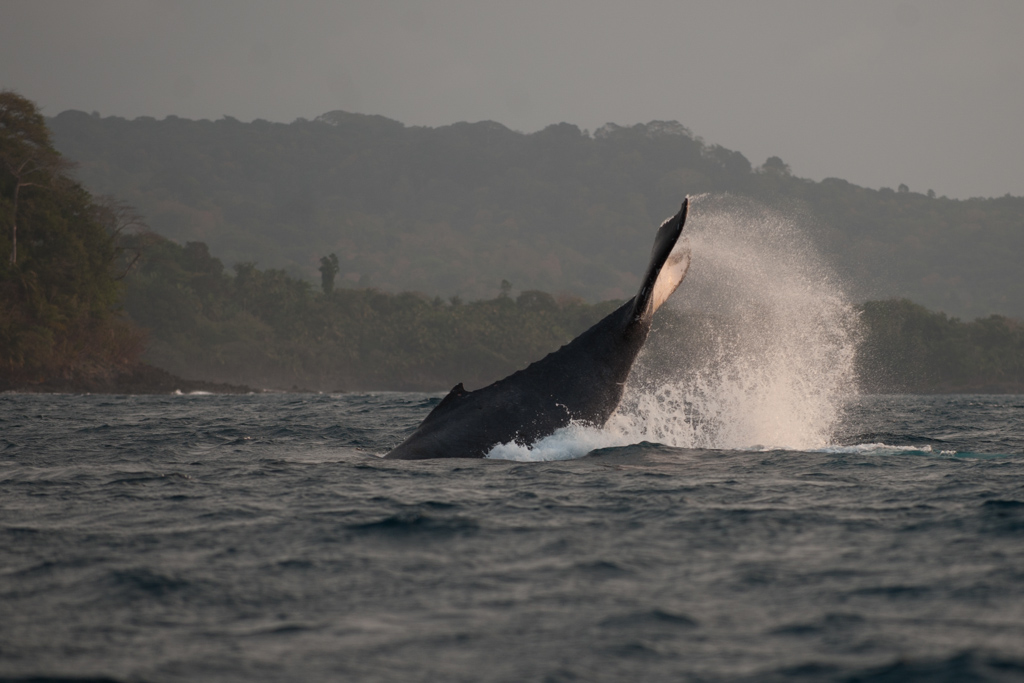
670, 259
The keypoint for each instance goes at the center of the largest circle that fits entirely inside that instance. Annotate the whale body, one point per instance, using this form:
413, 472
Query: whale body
582, 382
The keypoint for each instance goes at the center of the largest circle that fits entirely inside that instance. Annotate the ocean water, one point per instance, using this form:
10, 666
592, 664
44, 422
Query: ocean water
746, 515
261, 538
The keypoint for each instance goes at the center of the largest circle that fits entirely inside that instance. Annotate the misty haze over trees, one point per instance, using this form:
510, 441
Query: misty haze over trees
457, 209
70, 261
265, 328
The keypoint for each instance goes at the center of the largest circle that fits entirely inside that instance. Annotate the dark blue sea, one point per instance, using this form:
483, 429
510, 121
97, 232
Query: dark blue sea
262, 538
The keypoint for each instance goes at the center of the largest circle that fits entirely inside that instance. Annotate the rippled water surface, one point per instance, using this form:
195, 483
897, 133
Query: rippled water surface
248, 538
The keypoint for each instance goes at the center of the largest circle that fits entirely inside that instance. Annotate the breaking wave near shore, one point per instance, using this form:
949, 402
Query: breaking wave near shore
755, 350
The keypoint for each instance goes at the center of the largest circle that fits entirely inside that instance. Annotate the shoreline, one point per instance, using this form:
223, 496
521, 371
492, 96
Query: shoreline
145, 379
141, 380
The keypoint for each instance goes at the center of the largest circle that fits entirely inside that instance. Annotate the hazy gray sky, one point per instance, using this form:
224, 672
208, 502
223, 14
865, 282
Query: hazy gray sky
926, 93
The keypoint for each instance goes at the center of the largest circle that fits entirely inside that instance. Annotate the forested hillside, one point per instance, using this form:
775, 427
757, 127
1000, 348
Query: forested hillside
59, 288
70, 261
455, 210
267, 329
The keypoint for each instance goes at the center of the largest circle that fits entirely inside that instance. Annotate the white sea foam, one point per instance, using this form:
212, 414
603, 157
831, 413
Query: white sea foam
877, 449
754, 351
567, 443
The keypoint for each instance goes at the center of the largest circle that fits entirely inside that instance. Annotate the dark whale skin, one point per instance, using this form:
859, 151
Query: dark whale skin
583, 381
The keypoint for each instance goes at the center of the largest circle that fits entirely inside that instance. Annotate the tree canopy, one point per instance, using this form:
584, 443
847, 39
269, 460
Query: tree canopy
446, 208
58, 288
266, 328
455, 210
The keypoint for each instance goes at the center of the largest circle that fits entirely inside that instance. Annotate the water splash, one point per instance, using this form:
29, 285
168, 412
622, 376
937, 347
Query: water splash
756, 349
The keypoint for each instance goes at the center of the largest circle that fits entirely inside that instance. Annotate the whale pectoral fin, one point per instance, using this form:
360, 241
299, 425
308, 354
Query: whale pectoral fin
669, 262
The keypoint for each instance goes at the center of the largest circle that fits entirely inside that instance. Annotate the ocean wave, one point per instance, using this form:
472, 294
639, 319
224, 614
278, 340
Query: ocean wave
575, 442
567, 443
879, 448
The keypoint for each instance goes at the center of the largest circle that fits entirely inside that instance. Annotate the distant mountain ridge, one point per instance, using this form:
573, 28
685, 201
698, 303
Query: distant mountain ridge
455, 210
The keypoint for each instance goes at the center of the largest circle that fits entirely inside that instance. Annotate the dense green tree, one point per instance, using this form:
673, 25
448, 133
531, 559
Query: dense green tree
58, 287
328, 270
909, 348
775, 165
27, 155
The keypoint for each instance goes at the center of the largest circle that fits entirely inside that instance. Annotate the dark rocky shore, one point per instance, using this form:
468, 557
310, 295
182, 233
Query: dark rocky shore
142, 379
147, 379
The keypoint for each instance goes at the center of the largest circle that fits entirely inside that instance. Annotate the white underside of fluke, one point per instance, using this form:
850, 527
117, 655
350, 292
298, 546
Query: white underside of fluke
672, 273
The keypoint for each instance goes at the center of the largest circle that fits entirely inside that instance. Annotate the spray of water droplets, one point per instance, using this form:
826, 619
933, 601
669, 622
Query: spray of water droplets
755, 350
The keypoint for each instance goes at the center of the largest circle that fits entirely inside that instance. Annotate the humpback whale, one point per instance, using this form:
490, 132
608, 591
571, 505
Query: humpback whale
581, 382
